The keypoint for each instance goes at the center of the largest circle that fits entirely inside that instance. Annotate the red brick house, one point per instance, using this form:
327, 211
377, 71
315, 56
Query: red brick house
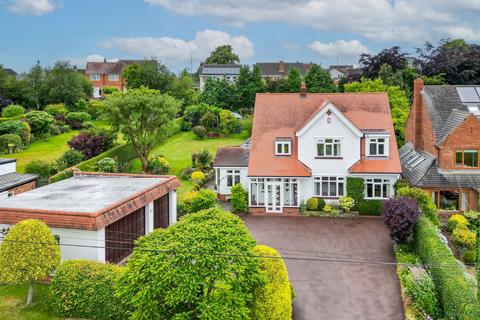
103, 74
442, 151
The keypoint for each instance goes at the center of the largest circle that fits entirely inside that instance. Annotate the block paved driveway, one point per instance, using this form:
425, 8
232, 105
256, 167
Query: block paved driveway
329, 290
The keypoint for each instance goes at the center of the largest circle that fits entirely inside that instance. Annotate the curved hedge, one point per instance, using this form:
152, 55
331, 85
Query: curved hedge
456, 294
273, 300
86, 289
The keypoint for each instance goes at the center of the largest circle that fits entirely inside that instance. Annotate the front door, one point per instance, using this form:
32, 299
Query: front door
274, 201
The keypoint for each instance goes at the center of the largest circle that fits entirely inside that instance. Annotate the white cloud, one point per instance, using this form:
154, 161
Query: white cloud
31, 7
82, 61
412, 21
339, 48
175, 50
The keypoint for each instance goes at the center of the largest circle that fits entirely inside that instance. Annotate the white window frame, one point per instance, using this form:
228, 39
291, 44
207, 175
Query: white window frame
95, 77
374, 140
385, 185
113, 77
283, 144
234, 175
329, 179
258, 186
335, 141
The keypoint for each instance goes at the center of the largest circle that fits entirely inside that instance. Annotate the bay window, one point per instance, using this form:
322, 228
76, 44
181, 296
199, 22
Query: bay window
329, 187
258, 191
329, 147
233, 177
377, 188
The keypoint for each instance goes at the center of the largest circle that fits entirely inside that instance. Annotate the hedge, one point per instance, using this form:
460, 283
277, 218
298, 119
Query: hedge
86, 289
356, 191
370, 207
455, 292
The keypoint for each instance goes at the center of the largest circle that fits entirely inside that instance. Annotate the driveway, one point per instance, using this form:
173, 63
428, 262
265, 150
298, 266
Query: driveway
342, 289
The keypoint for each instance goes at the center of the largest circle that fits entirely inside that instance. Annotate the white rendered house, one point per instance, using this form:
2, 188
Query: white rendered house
307, 145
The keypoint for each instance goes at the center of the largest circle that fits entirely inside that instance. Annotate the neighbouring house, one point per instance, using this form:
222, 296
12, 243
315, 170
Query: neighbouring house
307, 145
279, 70
441, 155
12, 182
338, 72
103, 74
227, 72
97, 216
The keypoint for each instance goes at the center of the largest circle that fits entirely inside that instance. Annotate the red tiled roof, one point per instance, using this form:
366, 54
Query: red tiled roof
281, 115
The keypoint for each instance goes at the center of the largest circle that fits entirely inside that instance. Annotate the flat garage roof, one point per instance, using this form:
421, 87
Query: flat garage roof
99, 198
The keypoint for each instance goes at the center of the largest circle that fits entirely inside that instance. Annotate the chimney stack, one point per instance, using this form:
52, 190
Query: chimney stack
303, 90
104, 59
281, 67
418, 115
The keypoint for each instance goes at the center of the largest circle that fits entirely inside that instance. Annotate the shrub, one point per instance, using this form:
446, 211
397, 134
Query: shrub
92, 143
40, 167
321, 204
209, 120
107, 165
465, 238
10, 141
109, 89
96, 108
473, 218
327, 209
419, 286
13, 110
424, 201
58, 111
64, 128
370, 207
40, 122
80, 106
356, 190
158, 165
455, 292
312, 204
469, 256
17, 127
202, 160
194, 113
400, 215
239, 198
68, 159
246, 124
272, 300
86, 289
76, 119
199, 131
457, 221
197, 176
228, 123
346, 203
195, 201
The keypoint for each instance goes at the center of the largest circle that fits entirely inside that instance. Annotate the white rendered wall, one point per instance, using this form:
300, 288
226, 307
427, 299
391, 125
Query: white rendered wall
222, 187
8, 168
149, 218
172, 210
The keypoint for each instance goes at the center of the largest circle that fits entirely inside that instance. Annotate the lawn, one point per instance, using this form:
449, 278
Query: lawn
12, 303
48, 149
178, 152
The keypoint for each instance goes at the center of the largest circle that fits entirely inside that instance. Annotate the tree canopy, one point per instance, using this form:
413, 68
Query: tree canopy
294, 80
319, 80
151, 74
220, 93
143, 116
394, 57
223, 55
249, 83
202, 267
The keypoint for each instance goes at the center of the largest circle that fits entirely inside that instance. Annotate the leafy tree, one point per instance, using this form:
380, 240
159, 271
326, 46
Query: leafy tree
228, 122
371, 63
438, 79
294, 80
184, 89
28, 253
389, 77
249, 83
36, 81
219, 93
223, 55
12, 90
188, 271
239, 199
141, 115
399, 104
151, 74
319, 80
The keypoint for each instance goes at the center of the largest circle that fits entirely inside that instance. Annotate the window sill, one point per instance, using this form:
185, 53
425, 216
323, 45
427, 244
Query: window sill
282, 155
329, 158
375, 198
325, 197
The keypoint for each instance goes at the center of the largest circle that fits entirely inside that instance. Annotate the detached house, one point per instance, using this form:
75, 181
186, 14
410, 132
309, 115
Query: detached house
228, 72
306, 145
280, 70
442, 151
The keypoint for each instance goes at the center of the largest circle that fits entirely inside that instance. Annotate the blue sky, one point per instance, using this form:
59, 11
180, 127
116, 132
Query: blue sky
259, 30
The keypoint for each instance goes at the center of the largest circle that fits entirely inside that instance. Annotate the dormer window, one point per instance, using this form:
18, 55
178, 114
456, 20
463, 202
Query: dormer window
283, 147
377, 146
329, 147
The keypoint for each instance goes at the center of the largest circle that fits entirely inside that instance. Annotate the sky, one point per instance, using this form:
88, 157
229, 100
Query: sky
182, 33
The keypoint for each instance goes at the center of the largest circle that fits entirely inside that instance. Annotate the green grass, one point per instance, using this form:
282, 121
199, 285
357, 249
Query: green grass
13, 298
48, 149
178, 152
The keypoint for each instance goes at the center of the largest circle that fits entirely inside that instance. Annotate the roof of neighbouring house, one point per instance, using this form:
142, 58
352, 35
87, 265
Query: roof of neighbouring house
12, 180
220, 69
275, 68
87, 201
346, 70
231, 157
445, 109
280, 115
109, 67
7, 160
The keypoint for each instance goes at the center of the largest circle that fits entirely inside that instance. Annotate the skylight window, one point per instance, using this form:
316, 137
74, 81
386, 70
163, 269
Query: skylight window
468, 94
475, 110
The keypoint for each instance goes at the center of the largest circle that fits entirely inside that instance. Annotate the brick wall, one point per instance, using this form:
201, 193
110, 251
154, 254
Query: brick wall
104, 82
24, 187
259, 211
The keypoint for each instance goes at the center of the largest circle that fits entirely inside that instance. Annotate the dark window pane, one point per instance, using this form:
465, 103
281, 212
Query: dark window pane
336, 150
229, 180
325, 189
340, 189
333, 189
370, 190
373, 149
320, 150
470, 158
378, 190
317, 188
458, 158
328, 150
279, 148
381, 149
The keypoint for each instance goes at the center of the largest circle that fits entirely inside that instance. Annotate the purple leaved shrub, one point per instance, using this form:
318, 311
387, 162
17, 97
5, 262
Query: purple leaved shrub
91, 144
400, 215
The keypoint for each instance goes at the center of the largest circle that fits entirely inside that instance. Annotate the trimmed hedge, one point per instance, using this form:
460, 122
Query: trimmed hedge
239, 199
356, 191
273, 300
86, 289
370, 207
7, 139
456, 294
